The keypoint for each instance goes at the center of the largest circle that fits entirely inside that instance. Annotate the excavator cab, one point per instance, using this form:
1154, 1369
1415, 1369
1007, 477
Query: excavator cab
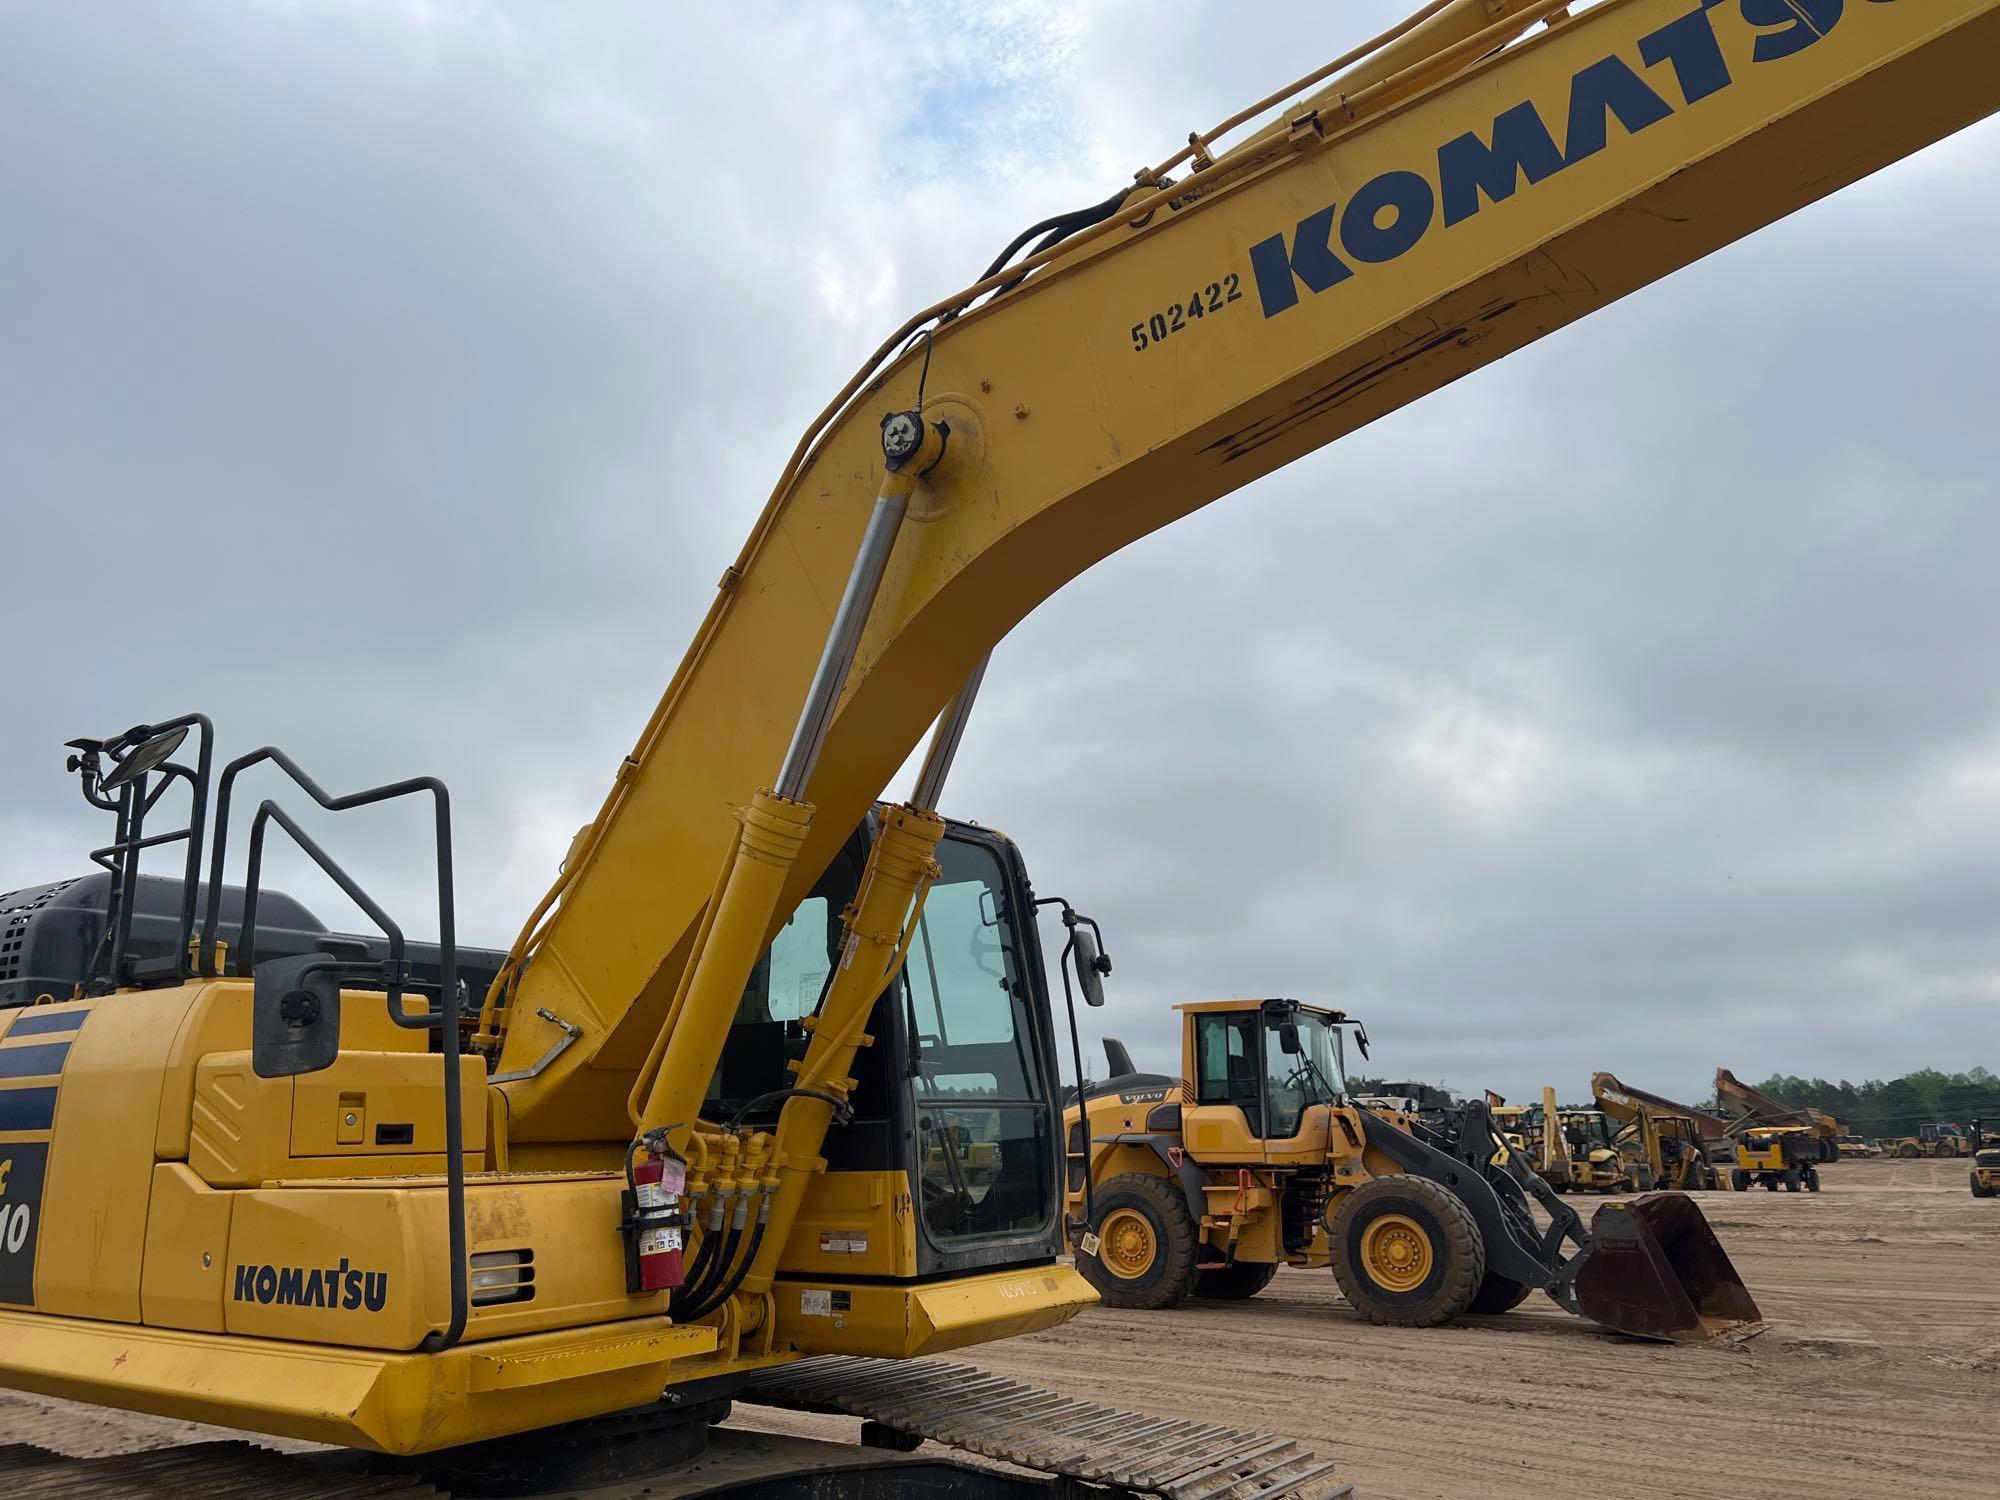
954, 1093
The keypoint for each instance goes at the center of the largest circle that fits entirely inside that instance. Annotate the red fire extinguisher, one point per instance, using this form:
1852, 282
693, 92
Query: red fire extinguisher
654, 1226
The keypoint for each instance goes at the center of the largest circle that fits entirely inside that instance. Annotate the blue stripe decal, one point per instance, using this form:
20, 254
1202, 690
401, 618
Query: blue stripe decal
27, 1109
43, 1060
38, 1022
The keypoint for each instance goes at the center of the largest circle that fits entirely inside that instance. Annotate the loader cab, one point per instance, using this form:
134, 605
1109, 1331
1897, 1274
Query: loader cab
948, 1162
1264, 1076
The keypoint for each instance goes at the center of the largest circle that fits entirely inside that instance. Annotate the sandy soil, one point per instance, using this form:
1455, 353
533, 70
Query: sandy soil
1879, 1374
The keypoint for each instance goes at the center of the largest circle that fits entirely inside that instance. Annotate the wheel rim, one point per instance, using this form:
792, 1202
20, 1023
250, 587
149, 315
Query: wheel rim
1129, 1246
1396, 1253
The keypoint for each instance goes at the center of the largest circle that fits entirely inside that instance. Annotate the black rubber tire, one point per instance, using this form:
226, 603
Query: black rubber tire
1458, 1253
1739, 1181
1977, 1190
1770, 1184
1812, 1179
1171, 1277
1909, 1153
1791, 1179
1235, 1283
1497, 1294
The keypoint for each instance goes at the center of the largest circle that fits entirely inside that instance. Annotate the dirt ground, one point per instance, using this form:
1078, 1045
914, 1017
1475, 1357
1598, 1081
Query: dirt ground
1879, 1374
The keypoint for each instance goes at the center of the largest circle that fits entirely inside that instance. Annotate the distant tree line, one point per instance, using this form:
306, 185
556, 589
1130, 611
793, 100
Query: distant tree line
1897, 1106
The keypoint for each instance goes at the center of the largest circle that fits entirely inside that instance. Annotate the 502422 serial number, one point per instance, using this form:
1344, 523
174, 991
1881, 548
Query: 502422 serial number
1201, 303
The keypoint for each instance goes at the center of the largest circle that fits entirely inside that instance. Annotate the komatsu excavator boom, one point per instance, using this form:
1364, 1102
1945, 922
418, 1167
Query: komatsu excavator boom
770, 1072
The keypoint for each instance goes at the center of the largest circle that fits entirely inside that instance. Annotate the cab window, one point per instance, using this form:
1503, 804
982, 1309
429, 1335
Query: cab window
1226, 1061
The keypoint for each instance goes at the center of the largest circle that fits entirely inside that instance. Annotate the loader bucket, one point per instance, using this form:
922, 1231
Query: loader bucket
1655, 1270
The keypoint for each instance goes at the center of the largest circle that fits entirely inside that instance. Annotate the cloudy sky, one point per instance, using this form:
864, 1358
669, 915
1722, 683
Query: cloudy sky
392, 381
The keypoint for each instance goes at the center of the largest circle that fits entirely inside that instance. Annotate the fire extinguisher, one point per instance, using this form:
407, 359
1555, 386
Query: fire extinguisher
654, 1227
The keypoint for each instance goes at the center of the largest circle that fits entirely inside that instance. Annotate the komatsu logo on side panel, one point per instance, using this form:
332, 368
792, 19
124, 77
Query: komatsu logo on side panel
340, 1286
1389, 214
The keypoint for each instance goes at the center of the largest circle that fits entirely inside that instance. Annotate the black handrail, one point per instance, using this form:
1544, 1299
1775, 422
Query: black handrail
394, 972
121, 856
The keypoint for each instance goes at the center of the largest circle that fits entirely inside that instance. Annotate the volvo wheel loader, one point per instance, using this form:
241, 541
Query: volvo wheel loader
726, 1107
1257, 1157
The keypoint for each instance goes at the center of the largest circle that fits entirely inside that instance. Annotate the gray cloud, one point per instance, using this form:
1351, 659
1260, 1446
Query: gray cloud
394, 381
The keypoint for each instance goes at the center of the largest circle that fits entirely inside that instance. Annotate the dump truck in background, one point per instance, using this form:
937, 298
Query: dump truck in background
1747, 1106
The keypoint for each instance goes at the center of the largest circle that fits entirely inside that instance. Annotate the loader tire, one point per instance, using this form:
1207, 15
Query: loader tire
1977, 1190
1146, 1255
1497, 1294
1236, 1282
1812, 1179
1406, 1252
1739, 1181
1791, 1179
1909, 1151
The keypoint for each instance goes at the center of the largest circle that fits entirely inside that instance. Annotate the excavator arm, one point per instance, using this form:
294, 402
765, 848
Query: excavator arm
1480, 181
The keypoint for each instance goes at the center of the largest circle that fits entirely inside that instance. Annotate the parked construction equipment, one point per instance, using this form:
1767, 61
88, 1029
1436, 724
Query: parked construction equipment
1985, 1162
1747, 1106
1258, 1158
1934, 1138
260, 1178
1777, 1156
1665, 1144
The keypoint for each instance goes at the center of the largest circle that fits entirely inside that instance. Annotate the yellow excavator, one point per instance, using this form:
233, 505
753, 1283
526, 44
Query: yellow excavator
1814, 1134
700, 1129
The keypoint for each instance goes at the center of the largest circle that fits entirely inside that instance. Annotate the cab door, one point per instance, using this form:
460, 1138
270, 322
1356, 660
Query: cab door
1224, 1122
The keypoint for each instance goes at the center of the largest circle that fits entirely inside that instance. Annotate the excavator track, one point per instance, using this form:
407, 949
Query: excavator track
205, 1469
970, 1408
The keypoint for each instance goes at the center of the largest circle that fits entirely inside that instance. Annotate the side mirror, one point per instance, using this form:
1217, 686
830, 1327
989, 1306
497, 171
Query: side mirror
1288, 1038
294, 1016
1091, 964
1361, 1040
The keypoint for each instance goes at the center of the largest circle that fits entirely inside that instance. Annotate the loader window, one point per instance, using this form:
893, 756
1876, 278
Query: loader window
1294, 1080
1226, 1058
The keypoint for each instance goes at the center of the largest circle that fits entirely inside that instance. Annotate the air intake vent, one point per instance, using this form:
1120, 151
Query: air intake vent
503, 1276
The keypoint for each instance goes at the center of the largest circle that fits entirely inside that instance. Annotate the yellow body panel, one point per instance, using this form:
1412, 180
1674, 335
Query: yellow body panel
902, 1321
357, 1263
854, 1224
187, 1251
394, 1403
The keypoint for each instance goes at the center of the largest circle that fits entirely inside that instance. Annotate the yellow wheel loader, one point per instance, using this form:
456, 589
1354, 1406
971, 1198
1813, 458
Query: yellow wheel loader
1935, 1138
1257, 1157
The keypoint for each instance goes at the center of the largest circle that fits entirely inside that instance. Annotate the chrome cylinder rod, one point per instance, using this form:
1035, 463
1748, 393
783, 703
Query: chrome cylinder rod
843, 640
945, 742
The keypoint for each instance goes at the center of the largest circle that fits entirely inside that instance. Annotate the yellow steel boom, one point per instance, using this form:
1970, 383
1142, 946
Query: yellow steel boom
1444, 203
